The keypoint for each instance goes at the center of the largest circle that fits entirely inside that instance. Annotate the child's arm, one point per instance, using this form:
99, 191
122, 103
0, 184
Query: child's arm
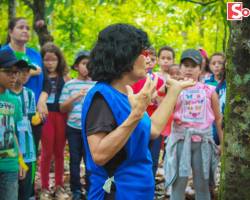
23, 168
66, 106
160, 94
217, 115
42, 105
42, 101
164, 111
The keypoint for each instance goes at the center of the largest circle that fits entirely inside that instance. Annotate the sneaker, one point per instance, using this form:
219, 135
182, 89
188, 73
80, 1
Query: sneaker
45, 195
189, 191
60, 194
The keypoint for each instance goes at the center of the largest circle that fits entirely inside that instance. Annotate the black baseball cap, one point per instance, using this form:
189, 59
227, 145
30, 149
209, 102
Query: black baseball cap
8, 60
192, 54
80, 55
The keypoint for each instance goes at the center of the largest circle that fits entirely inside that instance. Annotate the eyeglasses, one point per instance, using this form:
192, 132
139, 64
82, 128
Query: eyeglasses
10, 72
24, 70
145, 52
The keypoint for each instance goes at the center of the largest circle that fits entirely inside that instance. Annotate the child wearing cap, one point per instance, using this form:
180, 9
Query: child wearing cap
27, 101
71, 102
190, 147
11, 160
18, 37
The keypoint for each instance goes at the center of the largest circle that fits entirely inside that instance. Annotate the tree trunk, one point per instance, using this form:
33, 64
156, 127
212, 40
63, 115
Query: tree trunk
11, 9
38, 8
39, 16
236, 160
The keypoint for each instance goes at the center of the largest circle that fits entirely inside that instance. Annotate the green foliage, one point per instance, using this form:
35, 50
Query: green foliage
75, 24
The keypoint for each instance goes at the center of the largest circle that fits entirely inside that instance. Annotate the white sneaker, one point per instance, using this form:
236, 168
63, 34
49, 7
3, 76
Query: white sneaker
189, 190
45, 195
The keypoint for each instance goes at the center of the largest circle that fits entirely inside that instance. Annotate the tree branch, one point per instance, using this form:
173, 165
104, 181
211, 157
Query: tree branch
201, 3
28, 3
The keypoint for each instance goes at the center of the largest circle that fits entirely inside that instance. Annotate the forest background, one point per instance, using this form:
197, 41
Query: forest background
74, 24
181, 24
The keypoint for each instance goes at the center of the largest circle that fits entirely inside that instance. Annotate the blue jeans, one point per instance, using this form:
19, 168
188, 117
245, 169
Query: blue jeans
215, 135
76, 152
155, 147
8, 185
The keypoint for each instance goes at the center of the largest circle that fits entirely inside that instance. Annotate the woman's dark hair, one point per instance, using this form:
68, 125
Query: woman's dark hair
115, 51
50, 47
11, 26
166, 48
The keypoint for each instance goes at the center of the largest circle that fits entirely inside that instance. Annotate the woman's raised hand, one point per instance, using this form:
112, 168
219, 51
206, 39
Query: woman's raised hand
140, 101
180, 84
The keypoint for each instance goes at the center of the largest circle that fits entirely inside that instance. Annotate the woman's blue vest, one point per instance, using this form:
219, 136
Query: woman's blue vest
133, 178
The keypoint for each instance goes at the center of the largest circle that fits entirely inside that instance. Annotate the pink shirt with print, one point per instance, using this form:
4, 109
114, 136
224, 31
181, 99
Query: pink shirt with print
194, 108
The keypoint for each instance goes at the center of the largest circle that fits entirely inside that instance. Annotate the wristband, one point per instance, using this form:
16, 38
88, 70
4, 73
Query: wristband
22, 163
36, 120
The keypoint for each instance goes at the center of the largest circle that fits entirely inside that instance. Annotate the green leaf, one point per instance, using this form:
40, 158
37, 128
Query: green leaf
237, 80
237, 98
246, 78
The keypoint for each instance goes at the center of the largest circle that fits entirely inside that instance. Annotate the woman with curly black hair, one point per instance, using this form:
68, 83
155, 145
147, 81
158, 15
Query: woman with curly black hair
115, 127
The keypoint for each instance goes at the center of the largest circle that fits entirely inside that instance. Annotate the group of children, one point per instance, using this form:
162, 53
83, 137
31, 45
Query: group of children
196, 114
61, 102
196, 120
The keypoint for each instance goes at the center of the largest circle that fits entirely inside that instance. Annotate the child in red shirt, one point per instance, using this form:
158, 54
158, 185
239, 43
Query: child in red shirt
155, 145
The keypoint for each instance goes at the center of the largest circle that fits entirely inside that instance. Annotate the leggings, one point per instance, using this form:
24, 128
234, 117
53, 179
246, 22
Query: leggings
53, 142
201, 185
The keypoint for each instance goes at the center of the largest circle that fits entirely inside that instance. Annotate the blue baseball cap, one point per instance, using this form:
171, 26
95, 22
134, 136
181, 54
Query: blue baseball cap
8, 60
192, 54
80, 55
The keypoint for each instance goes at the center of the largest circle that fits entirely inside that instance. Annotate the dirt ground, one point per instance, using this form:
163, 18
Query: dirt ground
160, 193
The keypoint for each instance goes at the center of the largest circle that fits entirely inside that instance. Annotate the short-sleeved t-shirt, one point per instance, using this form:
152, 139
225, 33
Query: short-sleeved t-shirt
211, 81
24, 130
35, 83
139, 85
71, 88
10, 115
153, 106
221, 91
100, 119
194, 107
46, 82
